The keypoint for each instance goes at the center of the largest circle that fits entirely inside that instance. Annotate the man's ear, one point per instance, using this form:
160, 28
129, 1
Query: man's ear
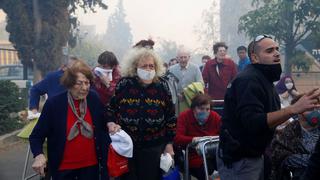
254, 58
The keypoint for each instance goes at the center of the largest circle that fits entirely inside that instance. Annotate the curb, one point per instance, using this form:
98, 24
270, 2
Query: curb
9, 139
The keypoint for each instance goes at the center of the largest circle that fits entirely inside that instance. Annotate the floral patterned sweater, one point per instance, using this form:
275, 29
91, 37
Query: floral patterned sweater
146, 113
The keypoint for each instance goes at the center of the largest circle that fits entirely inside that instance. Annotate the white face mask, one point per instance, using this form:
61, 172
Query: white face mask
289, 86
146, 75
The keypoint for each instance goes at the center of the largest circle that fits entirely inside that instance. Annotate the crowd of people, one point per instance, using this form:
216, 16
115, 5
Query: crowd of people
150, 101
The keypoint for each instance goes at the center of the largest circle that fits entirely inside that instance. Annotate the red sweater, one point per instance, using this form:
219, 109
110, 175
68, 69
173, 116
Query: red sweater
217, 84
80, 151
188, 128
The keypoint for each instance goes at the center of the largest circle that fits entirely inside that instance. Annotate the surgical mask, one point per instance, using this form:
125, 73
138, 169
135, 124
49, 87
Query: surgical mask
146, 75
271, 71
313, 118
289, 85
202, 117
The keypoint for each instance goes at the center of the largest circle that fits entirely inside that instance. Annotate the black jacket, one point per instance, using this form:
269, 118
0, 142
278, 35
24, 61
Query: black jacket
244, 131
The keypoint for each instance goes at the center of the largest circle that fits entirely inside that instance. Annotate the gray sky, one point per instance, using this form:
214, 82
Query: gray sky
169, 19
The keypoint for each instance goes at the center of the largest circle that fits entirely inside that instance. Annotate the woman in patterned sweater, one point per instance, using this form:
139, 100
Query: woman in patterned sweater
142, 106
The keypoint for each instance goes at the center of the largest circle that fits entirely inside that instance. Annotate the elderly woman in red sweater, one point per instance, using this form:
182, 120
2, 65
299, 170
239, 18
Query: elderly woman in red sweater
193, 123
75, 128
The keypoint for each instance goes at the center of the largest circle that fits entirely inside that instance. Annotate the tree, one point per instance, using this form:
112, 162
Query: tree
11, 101
39, 29
290, 21
166, 49
207, 31
118, 37
88, 50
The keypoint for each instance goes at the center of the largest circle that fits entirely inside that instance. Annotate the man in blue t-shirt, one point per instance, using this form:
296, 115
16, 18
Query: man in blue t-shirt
243, 58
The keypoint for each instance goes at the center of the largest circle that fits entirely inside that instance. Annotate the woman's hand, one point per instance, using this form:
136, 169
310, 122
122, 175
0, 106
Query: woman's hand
169, 149
113, 127
39, 164
285, 94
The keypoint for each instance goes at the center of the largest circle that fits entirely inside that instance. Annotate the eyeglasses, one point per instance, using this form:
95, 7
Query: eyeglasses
146, 66
82, 83
258, 39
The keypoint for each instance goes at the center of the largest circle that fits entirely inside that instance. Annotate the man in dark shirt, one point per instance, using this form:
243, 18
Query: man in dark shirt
49, 85
252, 111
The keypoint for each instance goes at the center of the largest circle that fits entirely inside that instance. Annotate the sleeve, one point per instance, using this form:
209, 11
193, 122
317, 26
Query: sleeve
234, 70
279, 150
112, 109
181, 139
206, 76
41, 130
217, 119
36, 91
297, 160
170, 117
312, 171
115, 79
199, 75
250, 108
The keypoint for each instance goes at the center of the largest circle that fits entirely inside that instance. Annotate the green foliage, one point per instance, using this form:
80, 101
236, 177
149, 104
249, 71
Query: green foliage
167, 49
206, 30
301, 61
39, 29
290, 21
11, 101
118, 37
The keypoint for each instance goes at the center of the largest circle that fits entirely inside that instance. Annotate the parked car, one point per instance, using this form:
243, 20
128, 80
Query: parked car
14, 72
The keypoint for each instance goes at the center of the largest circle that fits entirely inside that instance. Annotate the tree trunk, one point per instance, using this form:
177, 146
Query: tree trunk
288, 55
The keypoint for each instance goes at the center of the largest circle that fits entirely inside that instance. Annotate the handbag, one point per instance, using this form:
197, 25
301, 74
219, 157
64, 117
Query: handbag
117, 165
172, 174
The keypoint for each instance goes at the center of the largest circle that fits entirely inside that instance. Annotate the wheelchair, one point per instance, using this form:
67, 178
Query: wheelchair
204, 146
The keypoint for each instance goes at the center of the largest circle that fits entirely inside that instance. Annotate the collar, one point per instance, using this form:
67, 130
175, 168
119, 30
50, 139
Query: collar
245, 59
187, 66
215, 62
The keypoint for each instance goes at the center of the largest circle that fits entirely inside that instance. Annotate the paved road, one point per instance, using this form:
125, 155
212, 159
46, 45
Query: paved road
12, 158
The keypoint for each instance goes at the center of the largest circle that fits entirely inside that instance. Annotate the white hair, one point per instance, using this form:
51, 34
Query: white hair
130, 62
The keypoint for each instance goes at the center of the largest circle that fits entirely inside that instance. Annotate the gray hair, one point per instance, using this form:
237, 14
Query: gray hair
130, 62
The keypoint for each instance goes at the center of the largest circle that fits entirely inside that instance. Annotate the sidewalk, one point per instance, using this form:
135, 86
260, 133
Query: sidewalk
9, 139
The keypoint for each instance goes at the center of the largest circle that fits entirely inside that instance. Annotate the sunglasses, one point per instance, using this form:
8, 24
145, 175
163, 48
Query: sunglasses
258, 39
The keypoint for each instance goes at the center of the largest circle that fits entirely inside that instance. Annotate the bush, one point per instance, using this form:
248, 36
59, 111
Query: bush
12, 100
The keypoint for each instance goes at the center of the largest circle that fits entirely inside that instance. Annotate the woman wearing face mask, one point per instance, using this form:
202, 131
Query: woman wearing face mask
143, 107
106, 76
292, 147
193, 123
286, 90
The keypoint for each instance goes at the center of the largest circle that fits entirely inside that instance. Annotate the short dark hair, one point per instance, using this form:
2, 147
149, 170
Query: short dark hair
217, 45
206, 57
241, 48
250, 49
295, 99
108, 58
69, 76
200, 100
144, 44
